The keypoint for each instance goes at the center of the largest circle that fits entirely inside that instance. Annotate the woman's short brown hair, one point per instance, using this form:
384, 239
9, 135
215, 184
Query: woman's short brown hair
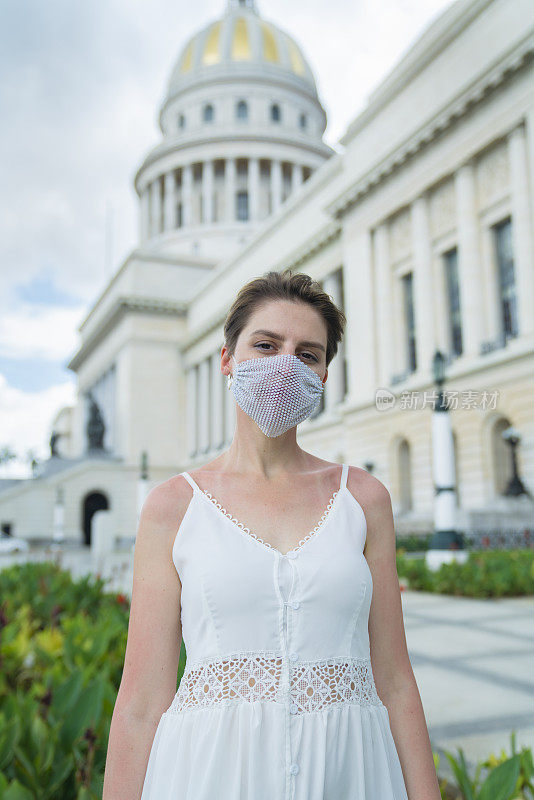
285, 285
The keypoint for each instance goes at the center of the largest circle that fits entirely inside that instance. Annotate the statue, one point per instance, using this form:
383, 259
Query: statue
95, 427
53, 443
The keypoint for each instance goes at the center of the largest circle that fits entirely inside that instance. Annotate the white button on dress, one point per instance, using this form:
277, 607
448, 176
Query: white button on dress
274, 705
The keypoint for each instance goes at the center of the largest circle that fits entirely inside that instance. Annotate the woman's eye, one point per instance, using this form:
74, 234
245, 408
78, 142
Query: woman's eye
263, 345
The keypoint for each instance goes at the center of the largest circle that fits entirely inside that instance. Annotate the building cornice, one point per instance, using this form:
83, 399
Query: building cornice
432, 41
145, 254
515, 60
122, 307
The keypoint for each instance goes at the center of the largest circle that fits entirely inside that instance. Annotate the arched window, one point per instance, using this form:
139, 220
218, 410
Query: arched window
500, 455
181, 121
208, 113
241, 110
303, 121
275, 112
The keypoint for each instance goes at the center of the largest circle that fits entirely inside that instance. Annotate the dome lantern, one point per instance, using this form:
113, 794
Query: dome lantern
242, 4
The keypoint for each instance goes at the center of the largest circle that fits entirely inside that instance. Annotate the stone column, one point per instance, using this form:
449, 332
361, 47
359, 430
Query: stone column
191, 414
276, 184
207, 191
203, 405
144, 214
169, 213
400, 356
384, 305
156, 207
297, 176
423, 297
529, 133
334, 386
470, 276
217, 413
522, 230
254, 189
359, 336
187, 194
230, 184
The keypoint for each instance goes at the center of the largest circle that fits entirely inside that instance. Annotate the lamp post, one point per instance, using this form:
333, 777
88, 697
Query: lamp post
515, 484
142, 483
447, 543
58, 524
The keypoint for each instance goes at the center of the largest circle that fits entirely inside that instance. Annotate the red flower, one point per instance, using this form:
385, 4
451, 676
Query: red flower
122, 599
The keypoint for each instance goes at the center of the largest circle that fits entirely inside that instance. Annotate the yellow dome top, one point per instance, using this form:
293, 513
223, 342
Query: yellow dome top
241, 40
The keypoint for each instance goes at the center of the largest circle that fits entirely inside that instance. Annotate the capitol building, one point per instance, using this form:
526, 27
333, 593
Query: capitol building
420, 227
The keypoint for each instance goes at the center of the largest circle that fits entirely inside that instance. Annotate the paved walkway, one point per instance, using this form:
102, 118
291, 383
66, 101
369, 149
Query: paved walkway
473, 661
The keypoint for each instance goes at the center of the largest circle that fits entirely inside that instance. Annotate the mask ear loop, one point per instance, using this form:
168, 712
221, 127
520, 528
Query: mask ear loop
230, 376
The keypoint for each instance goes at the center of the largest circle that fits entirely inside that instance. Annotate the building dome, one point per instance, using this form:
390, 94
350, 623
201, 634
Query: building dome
240, 43
242, 129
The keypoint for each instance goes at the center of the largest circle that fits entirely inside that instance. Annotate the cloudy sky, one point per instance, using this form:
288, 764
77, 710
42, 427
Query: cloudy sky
80, 88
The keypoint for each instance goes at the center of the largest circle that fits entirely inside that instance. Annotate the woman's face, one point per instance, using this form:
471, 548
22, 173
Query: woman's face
284, 326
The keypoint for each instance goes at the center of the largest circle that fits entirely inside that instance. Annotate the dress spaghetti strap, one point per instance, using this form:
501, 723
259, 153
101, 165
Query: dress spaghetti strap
190, 481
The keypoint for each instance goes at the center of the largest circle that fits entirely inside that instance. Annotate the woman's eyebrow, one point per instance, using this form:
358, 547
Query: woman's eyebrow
274, 335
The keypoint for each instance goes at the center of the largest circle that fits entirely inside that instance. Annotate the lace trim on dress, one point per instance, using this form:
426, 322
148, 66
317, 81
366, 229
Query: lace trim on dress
314, 685
262, 541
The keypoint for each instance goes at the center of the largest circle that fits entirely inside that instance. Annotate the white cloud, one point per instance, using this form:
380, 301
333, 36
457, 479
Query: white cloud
34, 332
25, 422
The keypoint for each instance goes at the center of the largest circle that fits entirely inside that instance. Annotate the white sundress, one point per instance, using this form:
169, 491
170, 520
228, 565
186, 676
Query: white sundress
277, 700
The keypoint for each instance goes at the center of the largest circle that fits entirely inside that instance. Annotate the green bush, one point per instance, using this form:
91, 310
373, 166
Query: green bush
489, 573
61, 661
506, 777
413, 542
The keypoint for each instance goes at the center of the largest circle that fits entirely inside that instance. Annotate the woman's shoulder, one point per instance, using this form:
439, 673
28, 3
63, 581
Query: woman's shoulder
368, 489
168, 499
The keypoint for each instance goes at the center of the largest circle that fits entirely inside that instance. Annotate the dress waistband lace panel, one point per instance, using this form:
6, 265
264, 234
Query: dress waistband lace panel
314, 685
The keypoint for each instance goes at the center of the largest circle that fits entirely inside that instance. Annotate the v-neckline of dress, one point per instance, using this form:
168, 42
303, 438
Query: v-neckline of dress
254, 537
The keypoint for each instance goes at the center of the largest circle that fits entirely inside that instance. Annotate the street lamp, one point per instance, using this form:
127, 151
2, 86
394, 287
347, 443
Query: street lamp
446, 542
515, 485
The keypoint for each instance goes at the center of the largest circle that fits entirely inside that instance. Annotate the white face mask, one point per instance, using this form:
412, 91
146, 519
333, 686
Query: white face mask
277, 392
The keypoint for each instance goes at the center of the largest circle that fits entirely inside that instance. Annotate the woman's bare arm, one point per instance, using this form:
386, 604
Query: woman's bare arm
392, 670
150, 670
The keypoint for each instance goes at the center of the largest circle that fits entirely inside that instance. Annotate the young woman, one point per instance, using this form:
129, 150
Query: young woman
266, 560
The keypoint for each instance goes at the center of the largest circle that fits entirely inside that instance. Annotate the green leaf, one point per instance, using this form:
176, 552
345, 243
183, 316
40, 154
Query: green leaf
501, 781
461, 774
67, 694
85, 712
62, 769
17, 791
9, 736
